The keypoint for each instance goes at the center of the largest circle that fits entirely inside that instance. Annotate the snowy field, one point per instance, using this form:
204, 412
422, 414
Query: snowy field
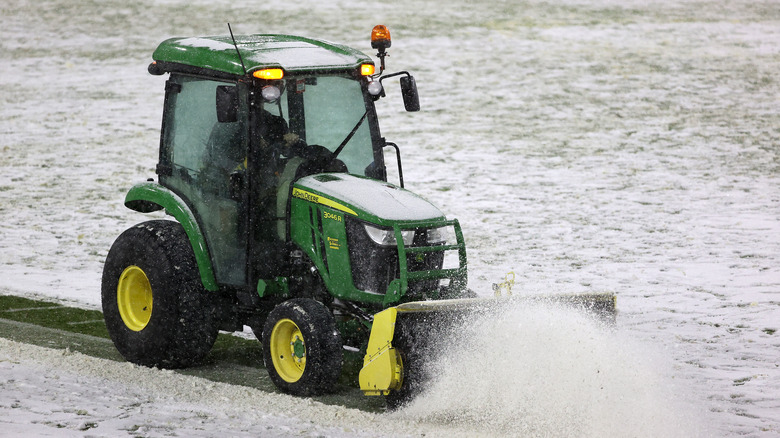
587, 145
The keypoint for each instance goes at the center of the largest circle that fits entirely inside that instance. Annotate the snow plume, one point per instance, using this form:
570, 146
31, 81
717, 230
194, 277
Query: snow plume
542, 370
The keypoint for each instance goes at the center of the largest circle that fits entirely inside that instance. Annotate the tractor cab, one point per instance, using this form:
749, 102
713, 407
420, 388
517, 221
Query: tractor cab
238, 132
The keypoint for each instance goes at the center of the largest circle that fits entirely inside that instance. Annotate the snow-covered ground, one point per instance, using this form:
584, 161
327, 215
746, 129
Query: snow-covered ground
619, 145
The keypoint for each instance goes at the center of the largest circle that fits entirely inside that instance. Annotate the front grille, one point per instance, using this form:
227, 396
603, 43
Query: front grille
375, 266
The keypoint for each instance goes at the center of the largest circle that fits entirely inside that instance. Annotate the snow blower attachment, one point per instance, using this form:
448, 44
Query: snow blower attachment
272, 166
403, 338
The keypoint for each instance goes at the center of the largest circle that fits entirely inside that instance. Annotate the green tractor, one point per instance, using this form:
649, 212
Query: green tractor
272, 166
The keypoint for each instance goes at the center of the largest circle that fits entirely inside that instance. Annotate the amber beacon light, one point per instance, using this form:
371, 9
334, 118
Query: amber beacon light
380, 38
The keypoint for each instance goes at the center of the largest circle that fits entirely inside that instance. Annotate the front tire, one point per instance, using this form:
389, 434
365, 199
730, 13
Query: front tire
417, 337
413, 381
154, 304
302, 347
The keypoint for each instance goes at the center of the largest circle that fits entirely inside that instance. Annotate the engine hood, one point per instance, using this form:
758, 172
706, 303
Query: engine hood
368, 199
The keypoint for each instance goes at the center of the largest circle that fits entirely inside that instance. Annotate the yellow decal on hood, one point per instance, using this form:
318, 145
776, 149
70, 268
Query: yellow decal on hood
317, 199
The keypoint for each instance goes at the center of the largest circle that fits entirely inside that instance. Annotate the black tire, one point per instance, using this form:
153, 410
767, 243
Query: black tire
302, 347
418, 340
153, 263
412, 355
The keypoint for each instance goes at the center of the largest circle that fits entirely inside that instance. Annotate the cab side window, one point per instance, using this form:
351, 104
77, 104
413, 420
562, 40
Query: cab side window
203, 143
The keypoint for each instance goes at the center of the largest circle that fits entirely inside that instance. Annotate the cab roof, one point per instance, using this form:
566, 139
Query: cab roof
290, 53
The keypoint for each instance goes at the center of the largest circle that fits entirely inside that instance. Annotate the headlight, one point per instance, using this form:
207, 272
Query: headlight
385, 237
271, 93
440, 235
375, 88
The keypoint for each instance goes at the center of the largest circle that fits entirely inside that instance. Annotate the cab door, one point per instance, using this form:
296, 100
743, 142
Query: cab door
203, 160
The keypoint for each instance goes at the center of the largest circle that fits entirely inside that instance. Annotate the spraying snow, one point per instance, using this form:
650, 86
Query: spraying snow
538, 369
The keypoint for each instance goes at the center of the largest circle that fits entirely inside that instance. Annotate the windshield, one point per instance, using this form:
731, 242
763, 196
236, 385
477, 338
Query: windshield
328, 111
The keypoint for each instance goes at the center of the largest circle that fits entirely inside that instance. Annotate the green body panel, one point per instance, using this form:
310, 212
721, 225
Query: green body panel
277, 287
319, 208
150, 196
327, 248
291, 53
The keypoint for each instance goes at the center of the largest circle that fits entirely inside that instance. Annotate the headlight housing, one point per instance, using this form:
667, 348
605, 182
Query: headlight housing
440, 236
386, 237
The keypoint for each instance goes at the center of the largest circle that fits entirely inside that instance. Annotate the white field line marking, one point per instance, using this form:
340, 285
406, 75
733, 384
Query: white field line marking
84, 322
33, 308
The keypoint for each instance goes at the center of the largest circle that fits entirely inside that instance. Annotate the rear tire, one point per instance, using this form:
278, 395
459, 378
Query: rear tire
302, 347
154, 304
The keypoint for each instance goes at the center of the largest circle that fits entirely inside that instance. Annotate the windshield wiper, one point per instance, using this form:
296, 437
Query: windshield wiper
348, 138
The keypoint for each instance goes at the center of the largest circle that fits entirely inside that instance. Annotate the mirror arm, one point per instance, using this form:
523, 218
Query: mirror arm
394, 74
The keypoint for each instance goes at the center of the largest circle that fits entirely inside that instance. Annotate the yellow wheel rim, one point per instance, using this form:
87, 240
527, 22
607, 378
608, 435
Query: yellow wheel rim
288, 350
134, 298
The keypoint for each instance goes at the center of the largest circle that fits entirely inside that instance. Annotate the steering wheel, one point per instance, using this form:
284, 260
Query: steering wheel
317, 159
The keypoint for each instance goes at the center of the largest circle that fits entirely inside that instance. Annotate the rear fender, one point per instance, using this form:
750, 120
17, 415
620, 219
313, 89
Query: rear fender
149, 196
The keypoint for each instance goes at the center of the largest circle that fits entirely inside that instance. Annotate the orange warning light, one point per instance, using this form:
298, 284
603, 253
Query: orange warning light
380, 37
269, 73
367, 69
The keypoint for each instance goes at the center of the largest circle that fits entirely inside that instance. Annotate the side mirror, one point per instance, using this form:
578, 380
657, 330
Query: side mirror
227, 103
409, 93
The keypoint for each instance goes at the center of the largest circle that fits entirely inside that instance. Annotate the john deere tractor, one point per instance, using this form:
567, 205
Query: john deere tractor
272, 167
